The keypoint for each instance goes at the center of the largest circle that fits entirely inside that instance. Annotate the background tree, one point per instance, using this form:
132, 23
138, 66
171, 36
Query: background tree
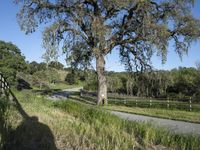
56, 65
71, 78
91, 81
11, 61
50, 55
184, 81
114, 83
46, 77
135, 27
35, 66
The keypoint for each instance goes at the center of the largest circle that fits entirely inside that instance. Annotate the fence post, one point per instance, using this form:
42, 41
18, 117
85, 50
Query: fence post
81, 93
190, 104
136, 102
2, 83
124, 101
6, 84
167, 103
150, 102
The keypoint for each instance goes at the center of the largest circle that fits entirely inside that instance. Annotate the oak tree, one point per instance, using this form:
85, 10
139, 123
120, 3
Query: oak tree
12, 61
90, 29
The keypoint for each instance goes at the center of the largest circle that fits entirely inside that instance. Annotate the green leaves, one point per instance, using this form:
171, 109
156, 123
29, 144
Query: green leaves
11, 60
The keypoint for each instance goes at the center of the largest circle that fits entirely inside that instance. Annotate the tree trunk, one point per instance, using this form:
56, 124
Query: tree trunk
102, 85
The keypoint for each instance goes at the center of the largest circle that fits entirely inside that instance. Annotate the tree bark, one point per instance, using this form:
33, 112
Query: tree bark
102, 85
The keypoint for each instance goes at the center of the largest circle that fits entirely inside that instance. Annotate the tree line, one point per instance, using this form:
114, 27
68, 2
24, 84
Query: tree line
16, 69
177, 83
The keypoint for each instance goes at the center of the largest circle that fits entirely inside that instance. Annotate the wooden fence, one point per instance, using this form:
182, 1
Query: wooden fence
146, 102
4, 85
6, 91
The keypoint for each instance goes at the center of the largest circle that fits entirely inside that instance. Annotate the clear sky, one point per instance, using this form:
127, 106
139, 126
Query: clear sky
31, 45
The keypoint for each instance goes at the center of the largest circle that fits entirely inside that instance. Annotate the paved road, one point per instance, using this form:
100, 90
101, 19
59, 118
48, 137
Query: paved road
76, 89
64, 94
174, 126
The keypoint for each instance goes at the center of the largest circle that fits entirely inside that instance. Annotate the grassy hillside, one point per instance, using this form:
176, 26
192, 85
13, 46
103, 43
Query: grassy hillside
72, 125
62, 74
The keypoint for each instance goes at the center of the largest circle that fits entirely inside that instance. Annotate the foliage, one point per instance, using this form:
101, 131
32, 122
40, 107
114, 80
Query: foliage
35, 66
114, 83
101, 121
178, 83
184, 80
4, 126
56, 65
11, 61
90, 29
75, 125
71, 78
42, 78
49, 75
97, 27
91, 81
159, 112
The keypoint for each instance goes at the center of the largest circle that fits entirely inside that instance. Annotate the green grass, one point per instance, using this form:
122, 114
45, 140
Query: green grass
162, 113
175, 114
77, 126
64, 86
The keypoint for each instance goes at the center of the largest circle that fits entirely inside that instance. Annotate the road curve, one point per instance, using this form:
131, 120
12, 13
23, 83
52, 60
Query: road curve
180, 127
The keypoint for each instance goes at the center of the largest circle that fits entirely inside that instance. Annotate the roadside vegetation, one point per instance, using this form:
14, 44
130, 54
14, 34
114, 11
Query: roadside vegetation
78, 126
177, 84
73, 125
162, 113
154, 111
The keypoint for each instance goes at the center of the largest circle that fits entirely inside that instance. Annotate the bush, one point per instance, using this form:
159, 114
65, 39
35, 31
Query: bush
47, 76
70, 78
22, 84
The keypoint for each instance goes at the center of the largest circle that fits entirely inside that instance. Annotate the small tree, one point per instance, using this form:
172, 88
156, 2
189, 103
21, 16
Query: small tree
35, 66
56, 65
70, 78
90, 29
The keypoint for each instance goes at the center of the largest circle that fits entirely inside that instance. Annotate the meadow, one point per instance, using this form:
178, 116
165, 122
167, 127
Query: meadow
75, 125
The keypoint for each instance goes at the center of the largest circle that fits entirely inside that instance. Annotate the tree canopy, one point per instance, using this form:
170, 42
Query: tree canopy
11, 60
56, 65
89, 29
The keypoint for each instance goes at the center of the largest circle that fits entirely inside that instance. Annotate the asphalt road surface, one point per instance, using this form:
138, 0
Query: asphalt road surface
172, 125
64, 94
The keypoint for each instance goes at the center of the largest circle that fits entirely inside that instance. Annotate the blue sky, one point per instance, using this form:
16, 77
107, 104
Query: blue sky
31, 45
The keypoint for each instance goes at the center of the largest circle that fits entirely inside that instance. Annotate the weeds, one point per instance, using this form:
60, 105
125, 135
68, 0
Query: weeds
77, 126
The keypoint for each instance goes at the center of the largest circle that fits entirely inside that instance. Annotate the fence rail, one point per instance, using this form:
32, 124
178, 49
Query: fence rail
4, 85
146, 102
